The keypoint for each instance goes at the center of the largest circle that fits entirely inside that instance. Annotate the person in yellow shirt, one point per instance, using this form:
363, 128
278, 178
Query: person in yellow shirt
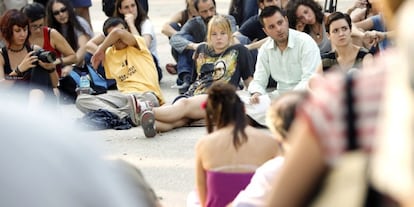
127, 60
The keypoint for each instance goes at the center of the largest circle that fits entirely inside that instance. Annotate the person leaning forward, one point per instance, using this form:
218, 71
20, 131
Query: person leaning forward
129, 62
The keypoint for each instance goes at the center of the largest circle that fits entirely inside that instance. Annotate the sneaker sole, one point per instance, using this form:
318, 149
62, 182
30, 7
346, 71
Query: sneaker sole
135, 117
147, 124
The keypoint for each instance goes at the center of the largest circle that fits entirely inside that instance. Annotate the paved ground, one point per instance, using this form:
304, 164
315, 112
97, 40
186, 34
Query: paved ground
166, 160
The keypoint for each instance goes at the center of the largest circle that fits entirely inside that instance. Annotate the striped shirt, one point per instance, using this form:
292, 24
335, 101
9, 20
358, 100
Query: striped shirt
325, 110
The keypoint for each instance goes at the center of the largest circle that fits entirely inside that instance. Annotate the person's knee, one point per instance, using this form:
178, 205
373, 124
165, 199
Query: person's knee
244, 40
182, 102
175, 26
82, 100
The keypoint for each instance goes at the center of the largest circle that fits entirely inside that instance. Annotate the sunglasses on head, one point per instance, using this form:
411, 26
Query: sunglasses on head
61, 10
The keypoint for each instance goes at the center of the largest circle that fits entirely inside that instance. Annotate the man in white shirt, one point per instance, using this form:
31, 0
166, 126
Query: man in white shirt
290, 57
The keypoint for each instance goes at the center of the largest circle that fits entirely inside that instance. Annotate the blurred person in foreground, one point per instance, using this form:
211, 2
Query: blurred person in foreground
320, 137
279, 118
394, 157
61, 167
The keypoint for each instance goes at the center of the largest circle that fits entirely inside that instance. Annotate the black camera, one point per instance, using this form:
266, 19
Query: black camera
45, 56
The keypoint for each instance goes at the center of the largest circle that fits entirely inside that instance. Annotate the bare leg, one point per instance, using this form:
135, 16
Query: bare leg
164, 126
183, 109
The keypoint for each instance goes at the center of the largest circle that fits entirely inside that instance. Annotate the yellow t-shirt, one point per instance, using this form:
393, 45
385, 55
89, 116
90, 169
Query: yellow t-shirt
133, 69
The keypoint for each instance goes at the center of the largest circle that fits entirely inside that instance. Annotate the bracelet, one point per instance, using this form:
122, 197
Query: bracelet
51, 71
18, 72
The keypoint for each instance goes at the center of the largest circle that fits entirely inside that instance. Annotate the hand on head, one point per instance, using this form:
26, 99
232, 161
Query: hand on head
97, 58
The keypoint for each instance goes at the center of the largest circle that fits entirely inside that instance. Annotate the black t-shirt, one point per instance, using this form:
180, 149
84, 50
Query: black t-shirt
231, 65
329, 60
252, 29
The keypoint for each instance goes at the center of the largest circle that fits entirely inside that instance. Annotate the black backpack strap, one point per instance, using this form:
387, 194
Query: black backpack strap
6, 59
350, 116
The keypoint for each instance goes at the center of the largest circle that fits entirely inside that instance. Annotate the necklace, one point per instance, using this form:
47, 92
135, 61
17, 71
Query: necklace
15, 51
317, 33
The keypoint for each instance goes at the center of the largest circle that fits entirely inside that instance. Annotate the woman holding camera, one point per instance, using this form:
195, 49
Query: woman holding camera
19, 64
48, 38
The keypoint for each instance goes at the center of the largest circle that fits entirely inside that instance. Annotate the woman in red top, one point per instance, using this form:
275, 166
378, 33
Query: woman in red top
48, 38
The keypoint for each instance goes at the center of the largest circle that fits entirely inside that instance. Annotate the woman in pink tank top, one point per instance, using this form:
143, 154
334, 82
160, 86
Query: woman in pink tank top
228, 155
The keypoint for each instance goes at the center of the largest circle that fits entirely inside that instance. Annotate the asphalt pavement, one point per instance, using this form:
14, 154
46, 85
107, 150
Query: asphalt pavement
167, 160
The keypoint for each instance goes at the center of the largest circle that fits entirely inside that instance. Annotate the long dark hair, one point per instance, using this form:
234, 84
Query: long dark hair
224, 107
73, 23
141, 16
293, 5
9, 19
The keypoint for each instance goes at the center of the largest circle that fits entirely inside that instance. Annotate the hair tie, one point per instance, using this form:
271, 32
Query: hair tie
203, 105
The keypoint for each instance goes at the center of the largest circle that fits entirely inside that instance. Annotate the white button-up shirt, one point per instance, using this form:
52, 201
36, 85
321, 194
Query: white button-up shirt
291, 68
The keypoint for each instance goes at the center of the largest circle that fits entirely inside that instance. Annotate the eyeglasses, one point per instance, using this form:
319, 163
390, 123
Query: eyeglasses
36, 26
62, 10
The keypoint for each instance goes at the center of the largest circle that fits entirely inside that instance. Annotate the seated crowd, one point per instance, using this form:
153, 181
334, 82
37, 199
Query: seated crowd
319, 81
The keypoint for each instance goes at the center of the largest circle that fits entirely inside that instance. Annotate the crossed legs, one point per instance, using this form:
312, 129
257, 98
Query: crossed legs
180, 113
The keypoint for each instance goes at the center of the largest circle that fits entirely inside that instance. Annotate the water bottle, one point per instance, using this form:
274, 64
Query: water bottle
84, 84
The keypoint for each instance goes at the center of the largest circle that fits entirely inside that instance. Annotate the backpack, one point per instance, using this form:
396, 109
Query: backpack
69, 83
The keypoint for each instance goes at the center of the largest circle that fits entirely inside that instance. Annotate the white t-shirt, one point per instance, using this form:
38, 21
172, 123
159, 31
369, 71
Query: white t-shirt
147, 28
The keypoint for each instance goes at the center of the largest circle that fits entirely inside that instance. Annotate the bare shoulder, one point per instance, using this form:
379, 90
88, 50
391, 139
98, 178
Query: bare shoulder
203, 142
262, 136
263, 133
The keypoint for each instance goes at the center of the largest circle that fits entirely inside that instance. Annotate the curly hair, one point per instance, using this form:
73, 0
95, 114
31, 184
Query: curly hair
141, 14
282, 111
224, 108
9, 19
293, 5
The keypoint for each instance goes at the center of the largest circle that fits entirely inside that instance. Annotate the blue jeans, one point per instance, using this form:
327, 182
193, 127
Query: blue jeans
185, 63
250, 8
174, 52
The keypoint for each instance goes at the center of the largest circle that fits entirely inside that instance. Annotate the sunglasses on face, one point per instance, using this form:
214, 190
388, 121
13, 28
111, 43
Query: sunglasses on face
62, 10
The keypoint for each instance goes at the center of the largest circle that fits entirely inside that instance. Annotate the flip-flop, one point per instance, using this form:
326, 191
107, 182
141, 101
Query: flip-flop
171, 68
